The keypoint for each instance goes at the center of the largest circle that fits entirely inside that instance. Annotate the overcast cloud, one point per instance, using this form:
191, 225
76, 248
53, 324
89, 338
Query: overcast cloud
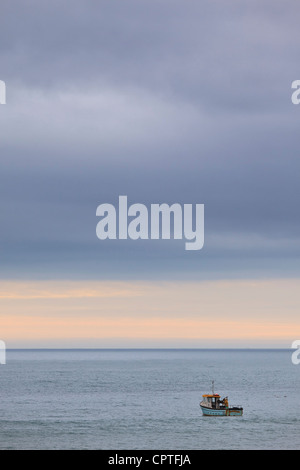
163, 101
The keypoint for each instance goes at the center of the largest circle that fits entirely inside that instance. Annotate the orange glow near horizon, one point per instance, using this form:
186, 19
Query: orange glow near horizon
92, 313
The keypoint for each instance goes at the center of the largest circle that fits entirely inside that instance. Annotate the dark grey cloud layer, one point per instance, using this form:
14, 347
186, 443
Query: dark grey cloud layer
163, 101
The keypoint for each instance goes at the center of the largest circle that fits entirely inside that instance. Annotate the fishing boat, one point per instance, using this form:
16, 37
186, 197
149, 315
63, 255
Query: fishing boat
213, 405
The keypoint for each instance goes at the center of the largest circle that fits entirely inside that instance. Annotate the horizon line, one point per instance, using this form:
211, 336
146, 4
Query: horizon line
148, 349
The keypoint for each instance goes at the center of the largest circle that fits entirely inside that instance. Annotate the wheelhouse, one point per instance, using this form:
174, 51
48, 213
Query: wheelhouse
211, 401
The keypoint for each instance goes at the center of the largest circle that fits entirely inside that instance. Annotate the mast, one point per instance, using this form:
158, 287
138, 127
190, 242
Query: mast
213, 386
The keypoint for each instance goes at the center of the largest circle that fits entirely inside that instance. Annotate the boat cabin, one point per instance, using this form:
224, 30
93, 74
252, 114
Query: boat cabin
214, 401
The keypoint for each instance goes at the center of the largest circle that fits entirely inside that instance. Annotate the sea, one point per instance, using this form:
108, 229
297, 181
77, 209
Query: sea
117, 399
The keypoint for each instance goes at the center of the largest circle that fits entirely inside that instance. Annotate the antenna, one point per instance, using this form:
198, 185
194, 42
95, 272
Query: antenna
213, 386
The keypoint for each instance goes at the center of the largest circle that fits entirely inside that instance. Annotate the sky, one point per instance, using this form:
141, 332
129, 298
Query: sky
165, 102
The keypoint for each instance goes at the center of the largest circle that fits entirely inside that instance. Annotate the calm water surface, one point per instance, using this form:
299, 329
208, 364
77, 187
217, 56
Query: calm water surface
147, 399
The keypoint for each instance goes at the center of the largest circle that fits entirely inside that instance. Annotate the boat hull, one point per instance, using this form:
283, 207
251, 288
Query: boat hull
224, 412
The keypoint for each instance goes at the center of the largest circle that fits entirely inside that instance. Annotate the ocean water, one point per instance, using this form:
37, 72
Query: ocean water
147, 399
